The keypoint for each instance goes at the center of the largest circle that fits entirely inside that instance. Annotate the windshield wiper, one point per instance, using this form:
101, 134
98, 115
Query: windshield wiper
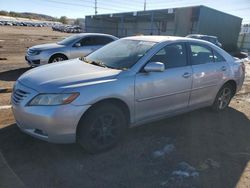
98, 63
84, 59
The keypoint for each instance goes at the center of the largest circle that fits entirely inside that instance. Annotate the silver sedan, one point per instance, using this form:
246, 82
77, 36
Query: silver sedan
78, 45
126, 83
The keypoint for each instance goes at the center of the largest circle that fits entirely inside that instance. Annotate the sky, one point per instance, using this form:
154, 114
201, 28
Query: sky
80, 8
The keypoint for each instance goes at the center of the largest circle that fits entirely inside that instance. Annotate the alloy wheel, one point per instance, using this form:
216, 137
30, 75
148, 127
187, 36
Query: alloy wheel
104, 129
224, 98
57, 59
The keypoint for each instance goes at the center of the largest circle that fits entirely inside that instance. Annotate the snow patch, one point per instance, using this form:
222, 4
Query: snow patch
166, 150
182, 176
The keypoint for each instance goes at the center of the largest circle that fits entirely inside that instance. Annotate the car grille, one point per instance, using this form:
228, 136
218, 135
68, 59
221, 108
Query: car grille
18, 96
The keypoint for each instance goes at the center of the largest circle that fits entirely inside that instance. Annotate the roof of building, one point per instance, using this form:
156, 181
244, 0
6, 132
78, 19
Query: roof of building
163, 12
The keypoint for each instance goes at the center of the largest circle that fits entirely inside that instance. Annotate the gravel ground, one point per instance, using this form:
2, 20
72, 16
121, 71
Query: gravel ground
196, 149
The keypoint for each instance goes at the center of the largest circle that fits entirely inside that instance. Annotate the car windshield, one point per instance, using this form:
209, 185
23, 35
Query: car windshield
68, 40
121, 54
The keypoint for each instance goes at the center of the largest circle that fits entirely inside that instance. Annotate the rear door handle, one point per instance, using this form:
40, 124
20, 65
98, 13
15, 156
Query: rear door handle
186, 75
223, 68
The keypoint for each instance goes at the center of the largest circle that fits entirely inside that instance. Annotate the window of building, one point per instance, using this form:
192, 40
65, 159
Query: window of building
163, 26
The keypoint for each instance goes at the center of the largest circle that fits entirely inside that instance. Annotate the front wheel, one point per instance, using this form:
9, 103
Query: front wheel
223, 98
101, 128
57, 58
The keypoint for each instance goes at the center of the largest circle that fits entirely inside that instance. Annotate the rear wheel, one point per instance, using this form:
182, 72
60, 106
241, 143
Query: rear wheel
223, 98
101, 128
57, 58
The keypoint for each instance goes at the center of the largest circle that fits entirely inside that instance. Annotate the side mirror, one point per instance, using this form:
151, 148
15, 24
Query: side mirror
154, 67
78, 44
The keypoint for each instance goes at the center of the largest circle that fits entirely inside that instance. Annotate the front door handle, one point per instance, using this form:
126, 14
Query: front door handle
223, 68
186, 75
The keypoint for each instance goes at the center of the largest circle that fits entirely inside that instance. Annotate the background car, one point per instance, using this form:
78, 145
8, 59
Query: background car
78, 45
67, 28
128, 82
212, 39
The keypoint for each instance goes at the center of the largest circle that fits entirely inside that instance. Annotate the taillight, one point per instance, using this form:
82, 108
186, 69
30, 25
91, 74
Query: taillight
243, 67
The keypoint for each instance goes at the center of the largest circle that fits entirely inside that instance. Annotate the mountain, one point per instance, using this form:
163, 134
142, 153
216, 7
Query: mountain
28, 15
37, 16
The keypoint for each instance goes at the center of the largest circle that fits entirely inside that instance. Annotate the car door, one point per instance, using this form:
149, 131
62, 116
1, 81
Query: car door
160, 93
209, 69
83, 47
88, 45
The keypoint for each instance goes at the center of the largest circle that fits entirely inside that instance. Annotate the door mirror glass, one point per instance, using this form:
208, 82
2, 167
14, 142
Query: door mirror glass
154, 67
78, 44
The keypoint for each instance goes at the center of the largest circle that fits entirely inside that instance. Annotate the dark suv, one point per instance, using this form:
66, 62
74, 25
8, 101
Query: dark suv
212, 39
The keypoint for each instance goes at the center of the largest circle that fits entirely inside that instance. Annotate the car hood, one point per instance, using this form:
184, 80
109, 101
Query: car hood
59, 76
46, 46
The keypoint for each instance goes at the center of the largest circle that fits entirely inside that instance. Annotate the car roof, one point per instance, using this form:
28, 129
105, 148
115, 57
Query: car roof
94, 34
158, 38
198, 35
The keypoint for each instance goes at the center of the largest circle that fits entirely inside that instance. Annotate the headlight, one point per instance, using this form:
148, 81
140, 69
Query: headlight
34, 52
53, 99
37, 52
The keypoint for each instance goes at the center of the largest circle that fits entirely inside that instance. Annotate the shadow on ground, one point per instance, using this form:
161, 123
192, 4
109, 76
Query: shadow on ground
197, 136
12, 75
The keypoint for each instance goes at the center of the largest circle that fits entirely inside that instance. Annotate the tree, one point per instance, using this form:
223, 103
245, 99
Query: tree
4, 13
13, 14
63, 19
77, 21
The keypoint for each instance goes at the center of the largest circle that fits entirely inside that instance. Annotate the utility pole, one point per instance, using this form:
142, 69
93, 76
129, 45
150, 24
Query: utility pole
145, 4
95, 7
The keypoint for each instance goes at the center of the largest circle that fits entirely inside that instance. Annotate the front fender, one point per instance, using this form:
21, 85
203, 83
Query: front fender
122, 89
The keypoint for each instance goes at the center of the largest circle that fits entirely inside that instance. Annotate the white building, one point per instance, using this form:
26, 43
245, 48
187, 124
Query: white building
245, 28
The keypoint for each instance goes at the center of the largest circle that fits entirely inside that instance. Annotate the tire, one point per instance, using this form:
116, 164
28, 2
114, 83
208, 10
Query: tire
101, 128
57, 58
223, 98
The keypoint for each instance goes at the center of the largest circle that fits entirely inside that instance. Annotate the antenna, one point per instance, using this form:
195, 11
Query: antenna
95, 7
145, 4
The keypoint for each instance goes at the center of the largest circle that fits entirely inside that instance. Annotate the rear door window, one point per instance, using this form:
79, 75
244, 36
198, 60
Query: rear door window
211, 39
218, 57
201, 54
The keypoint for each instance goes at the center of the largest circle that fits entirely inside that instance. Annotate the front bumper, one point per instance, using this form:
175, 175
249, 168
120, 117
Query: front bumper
55, 124
36, 60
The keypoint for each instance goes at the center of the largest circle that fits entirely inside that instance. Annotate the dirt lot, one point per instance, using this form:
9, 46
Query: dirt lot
197, 149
